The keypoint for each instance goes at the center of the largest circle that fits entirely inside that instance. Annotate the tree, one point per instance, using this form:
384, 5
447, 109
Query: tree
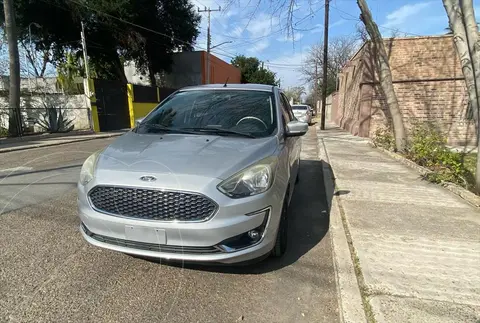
252, 71
68, 70
461, 17
341, 49
145, 31
14, 120
385, 75
295, 93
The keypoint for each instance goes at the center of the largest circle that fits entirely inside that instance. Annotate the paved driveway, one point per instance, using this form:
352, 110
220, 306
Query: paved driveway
48, 273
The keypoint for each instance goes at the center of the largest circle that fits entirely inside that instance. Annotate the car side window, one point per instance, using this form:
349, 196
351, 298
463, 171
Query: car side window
285, 115
288, 107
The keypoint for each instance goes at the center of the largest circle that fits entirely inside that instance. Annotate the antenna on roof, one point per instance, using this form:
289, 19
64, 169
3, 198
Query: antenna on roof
225, 85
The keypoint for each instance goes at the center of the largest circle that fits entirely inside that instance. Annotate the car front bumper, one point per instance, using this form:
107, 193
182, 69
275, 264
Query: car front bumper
188, 241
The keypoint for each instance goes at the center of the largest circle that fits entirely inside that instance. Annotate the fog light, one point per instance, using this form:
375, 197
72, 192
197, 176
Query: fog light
246, 239
254, 235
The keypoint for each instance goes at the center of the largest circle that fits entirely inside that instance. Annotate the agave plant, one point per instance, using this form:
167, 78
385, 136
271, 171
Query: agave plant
53, 119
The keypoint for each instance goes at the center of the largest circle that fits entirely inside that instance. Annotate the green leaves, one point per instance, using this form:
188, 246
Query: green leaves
252, 72
112, 32
427, 147
53, 119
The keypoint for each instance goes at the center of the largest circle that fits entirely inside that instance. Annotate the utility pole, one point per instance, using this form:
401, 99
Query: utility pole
209, 40
84, 49
315, 87
87, 72
85, 59
325, 65
14, 117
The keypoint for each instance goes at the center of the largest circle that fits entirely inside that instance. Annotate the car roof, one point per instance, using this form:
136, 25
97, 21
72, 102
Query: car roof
249, 86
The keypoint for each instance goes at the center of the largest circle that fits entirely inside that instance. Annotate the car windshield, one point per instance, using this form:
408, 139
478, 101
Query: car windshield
222, 112
299, 107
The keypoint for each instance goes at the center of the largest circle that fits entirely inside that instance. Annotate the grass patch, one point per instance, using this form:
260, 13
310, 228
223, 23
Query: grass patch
427, 147
3, 132
470, 161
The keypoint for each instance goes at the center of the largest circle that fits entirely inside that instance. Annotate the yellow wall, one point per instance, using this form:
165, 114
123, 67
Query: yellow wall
130, 105
140, 110
93, 105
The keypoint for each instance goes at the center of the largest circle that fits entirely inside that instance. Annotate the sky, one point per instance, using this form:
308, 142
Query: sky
255, 28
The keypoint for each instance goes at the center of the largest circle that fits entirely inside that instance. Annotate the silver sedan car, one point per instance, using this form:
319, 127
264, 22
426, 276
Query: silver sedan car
303, 112
207, 176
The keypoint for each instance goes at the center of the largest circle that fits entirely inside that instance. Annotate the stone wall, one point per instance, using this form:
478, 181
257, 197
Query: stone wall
428, 82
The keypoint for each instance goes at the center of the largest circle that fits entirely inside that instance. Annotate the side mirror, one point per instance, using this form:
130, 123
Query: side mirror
296, 129
138, 121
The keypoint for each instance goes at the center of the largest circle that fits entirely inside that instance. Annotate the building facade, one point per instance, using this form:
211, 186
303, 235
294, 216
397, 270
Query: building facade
189, 68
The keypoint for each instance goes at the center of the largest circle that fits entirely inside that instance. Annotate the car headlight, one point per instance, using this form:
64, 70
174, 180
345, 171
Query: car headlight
88, 168
253, 180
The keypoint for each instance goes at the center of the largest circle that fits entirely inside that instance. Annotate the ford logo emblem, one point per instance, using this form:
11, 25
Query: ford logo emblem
148, 178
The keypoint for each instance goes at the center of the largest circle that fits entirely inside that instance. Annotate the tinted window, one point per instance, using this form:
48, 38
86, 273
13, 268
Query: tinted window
249, 112
285, 115
299, 107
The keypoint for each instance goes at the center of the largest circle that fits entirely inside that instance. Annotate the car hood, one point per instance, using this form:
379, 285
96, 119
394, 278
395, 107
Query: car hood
205, 155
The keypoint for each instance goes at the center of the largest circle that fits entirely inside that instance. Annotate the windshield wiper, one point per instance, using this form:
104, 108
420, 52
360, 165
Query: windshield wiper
167, 129
221, 131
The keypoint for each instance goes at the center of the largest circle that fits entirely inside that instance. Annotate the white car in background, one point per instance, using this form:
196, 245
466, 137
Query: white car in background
303, 113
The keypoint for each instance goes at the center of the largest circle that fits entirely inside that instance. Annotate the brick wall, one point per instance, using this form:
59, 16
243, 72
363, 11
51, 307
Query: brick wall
220, 71
428, 82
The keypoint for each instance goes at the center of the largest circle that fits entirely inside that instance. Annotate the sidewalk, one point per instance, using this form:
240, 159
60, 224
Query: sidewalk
417, 245
44, 140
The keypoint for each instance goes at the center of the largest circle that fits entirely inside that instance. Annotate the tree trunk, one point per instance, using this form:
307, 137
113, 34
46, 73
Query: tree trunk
14, 119
465, 34
385, 76
120, 70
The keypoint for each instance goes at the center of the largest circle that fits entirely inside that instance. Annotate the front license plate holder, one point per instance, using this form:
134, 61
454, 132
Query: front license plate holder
145, 234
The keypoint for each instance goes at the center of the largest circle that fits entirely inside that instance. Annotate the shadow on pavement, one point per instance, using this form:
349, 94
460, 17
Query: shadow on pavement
308, 224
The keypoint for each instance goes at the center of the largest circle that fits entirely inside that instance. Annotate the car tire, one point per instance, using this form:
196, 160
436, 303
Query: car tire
282, 233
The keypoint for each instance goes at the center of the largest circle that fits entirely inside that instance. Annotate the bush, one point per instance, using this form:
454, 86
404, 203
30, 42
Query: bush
427, 147
3, 132
54, 119
383, 137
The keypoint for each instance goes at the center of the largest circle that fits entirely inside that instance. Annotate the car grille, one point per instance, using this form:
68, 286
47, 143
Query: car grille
151, 246
151, 204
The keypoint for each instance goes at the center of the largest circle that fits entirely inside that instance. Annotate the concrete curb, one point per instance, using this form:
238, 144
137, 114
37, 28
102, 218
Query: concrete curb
349, 296
6, 150
454, 188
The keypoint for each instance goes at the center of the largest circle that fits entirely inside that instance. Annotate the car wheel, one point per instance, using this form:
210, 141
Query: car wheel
282, 233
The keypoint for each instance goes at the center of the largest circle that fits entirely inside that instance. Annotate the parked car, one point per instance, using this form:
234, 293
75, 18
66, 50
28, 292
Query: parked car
207, 176
303, 113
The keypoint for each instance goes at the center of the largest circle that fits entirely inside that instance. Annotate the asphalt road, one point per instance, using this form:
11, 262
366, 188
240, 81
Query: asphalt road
49, 274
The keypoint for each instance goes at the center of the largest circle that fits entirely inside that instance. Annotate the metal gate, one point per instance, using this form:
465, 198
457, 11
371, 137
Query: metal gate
112, 105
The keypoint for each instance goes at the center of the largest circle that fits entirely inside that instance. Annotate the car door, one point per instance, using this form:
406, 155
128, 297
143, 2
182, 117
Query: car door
292, 143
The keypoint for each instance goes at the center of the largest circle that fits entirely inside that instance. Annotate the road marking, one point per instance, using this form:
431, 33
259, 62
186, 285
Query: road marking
15, 169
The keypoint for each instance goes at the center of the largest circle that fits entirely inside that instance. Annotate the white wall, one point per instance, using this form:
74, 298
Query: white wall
75, 107
134, 76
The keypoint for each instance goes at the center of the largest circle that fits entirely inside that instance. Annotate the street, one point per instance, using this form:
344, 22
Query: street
48, 273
